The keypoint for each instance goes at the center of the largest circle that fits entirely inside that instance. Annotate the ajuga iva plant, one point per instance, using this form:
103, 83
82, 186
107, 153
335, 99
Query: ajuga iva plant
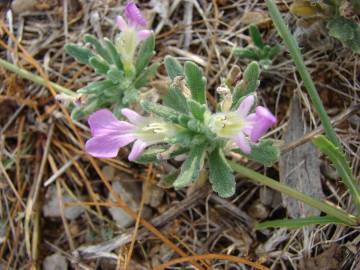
338, 16
258, 50
184, 126
123, 64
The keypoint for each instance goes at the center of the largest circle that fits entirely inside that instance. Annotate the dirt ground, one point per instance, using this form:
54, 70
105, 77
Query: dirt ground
56, 207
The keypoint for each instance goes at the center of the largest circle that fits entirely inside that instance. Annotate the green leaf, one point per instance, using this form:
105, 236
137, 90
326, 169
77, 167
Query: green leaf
96, 87
248, 85
342, 167
176, 100
221, 177
146, 75
264, 152
151, 153
173, 67
82, 55
167, 181
197, 110
298, 222
341, 28
146, 52
190, 169
274, 51
196, 82
114, 54
354, 44
115, 74
161, 111
247, 53
100, 66
356, 5
256, 36
98, 47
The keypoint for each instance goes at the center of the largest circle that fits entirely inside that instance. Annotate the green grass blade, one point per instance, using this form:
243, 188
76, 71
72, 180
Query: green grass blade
298, 222
342, 166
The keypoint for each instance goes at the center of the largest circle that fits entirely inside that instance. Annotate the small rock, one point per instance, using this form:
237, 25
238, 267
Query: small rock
270, 197
130, 194
154, 195
51, 207
258, 211
108, 172
55, 262
19, 6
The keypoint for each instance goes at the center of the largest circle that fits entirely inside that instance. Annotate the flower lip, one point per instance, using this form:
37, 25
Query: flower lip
134, 16
266, 114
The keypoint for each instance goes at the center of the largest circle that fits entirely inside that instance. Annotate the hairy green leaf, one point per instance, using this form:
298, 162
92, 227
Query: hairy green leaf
256, 36
220, 174
146, 52
264, 152
100, 66
173, 67
146, 75
98, 47
97, 87
341, 28
114, 54
191, 167
196, 82
82, 55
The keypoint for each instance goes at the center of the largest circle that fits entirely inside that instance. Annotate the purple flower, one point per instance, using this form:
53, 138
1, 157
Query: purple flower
241, 126
135, 22
109, 134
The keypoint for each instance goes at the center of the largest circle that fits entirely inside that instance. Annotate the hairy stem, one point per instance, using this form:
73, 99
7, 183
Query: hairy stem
34, 78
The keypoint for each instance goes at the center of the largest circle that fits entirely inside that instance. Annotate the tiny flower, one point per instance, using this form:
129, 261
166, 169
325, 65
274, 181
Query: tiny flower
242, 127
109, 134
132, 33
135, 22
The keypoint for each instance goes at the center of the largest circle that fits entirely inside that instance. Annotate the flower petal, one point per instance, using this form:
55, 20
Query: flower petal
103, 122
242, 143
107, 146
245, 106
138, 147
264, 120
143, 34
133, 116
134, 16
121, 23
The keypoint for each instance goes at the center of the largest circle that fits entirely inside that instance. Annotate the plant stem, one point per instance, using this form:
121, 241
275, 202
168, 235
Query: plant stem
34, 78
322, 206
305, 75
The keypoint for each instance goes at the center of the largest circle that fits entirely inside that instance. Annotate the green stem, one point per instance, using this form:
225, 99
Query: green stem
322, 206
34, 78
299, 62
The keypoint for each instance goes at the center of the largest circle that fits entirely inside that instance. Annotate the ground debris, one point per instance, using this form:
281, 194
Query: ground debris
330, 259
55, 262
300, 167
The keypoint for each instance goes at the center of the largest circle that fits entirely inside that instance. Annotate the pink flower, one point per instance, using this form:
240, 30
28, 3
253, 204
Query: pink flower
135, 22
109, 134
241, 126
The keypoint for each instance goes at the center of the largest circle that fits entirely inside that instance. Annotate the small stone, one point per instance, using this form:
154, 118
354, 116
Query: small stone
51, 207
128, 193
108, 172
55, 262
19, 6
258, 211
154, 195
